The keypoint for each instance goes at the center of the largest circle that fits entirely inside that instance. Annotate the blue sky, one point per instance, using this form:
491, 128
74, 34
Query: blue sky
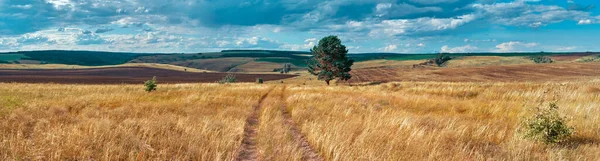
407, 26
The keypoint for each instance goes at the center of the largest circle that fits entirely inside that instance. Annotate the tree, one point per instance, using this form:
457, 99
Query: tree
329, 60
150, 85
229, 78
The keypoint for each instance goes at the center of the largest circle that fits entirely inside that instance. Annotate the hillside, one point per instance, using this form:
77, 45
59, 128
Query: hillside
270, 60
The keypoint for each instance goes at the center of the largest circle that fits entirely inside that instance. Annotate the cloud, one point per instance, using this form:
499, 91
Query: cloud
459, 49
390, 48
308, 44
514, 46
520, 13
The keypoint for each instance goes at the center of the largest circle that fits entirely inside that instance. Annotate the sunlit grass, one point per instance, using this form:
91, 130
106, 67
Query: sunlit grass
391, 121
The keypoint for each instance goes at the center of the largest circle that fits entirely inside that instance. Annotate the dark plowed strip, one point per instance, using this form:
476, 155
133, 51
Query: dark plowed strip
248, 150
120, 75
308, 152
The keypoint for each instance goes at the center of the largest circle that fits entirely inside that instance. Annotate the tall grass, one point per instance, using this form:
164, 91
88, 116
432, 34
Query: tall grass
392, 121
122, 122
443, 121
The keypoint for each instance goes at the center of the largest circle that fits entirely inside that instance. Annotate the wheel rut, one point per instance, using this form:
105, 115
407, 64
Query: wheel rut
248, 149
308, 152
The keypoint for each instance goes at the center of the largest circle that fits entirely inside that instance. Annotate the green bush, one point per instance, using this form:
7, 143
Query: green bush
542, 59
150, 85
547, 126
440, 59
229, 78
259, 80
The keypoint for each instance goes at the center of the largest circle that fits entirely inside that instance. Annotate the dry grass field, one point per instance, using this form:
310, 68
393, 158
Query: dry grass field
392, 121
454, 113
503, 73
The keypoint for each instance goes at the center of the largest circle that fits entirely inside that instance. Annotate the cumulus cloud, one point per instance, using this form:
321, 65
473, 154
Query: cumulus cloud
515, 46
390, 48
458, 49
308, 44
520, 13
189, 25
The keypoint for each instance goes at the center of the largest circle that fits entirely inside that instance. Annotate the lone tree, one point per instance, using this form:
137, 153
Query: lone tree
329, 60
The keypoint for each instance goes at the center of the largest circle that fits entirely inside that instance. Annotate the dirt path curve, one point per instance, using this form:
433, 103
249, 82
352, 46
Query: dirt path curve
248, 150
308, 152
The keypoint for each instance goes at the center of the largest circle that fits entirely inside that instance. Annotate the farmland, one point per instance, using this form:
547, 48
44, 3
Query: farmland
118, 75
470, 108
391, 121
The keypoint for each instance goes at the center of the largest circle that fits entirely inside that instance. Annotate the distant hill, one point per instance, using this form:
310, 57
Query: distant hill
226, 60
88, 58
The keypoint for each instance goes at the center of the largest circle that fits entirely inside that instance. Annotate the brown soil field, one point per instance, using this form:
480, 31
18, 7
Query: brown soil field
570, 57
507, 73
121, 75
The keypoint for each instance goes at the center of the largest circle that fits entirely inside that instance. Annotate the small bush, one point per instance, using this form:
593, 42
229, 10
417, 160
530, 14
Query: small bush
441, 58
150, 85
547, 126
542, 59
229, 78
259, 80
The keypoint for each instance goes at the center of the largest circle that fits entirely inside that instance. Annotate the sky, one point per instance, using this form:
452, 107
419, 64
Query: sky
399, 26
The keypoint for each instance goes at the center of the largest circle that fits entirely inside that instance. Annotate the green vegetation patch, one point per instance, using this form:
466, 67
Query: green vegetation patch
8, 58
87, 58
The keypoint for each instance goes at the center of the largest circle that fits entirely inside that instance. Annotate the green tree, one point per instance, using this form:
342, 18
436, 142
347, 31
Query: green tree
547, 126
150, 85
330, 60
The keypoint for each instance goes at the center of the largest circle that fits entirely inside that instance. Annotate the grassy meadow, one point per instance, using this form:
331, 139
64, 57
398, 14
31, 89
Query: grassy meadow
391, 121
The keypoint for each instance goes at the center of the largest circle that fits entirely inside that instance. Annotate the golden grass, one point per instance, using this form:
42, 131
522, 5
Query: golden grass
121, 122
392, 121
64, 66
473, 61
443, 121
386, 63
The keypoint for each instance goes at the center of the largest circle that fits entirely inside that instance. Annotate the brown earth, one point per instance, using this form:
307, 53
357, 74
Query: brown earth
119, 75
506, 73
570, 57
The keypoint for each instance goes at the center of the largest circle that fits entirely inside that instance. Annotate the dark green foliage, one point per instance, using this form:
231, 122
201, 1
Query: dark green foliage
440, 59
542, 59
88, 58
329, 60
150, 85
287, 67
547, 126
229, 78
4, 62
259, 80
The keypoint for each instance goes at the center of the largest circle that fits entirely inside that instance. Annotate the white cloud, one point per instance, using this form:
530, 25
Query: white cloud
390, 48
520, 13
514, 46
459, 49
585, 22
309, 43
416, 26
566, 48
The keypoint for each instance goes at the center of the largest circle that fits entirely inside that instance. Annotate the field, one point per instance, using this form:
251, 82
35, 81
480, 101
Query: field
118, 75
393, 121
504, 73
471, 108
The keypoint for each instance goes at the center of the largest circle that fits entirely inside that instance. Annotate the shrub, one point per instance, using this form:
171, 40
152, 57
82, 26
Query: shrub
547, 126
259, 80
229, 78
440, 59
542, 59
150, 85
